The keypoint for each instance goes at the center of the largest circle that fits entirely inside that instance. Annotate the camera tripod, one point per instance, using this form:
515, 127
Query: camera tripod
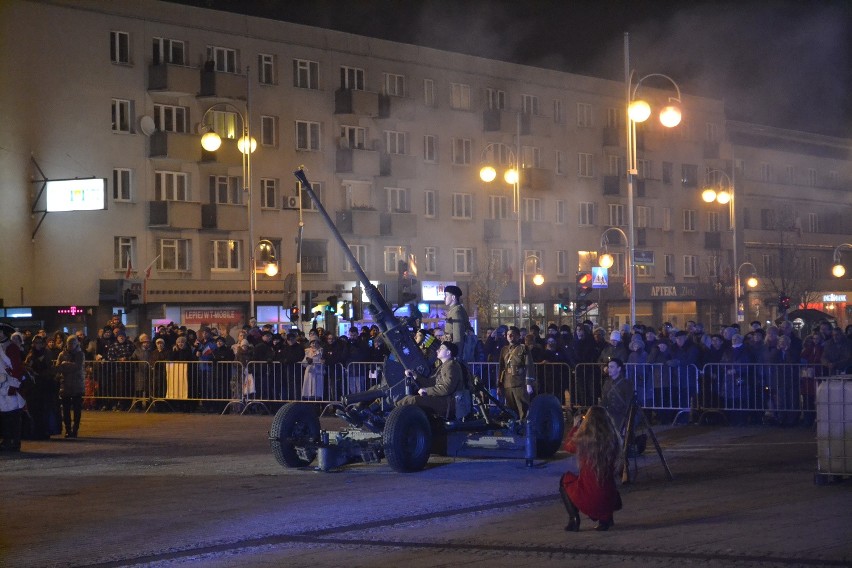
629, 440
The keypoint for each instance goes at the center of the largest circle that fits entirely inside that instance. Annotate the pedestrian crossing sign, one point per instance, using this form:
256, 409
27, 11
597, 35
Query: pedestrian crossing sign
599, 277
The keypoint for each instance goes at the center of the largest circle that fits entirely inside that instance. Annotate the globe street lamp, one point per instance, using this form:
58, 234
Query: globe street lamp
838, 270
501, 154
607, 260
216, 124
751, 282
639, 111
720, 188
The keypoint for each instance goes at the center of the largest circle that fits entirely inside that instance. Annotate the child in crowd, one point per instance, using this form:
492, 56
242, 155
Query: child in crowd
597, 445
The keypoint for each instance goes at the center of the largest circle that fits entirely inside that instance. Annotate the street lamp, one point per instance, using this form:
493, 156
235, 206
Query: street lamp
724, 194
638, 111
606, 260
512, 177
751, 282
838, 270
270, 264
532, 264
217, 126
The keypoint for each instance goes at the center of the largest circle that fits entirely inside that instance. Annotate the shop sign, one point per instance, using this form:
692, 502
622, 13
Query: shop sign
834, 298
212, 315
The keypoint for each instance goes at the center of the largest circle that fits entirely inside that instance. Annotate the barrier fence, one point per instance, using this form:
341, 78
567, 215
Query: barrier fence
775, 392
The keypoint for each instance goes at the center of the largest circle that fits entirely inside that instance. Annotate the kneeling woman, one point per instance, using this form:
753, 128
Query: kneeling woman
597, 446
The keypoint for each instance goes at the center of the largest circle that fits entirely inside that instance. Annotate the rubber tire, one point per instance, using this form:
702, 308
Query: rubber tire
407, 439
296, 420
548, 424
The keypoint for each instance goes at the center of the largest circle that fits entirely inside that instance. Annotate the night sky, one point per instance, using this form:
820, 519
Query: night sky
784, 63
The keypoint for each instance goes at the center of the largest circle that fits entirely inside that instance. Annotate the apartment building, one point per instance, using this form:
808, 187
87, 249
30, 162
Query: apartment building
392, 137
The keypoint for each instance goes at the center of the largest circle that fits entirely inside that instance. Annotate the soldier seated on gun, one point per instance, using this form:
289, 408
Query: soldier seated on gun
448, 378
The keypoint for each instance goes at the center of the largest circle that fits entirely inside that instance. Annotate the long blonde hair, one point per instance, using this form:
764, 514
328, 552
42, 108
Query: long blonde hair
598, 443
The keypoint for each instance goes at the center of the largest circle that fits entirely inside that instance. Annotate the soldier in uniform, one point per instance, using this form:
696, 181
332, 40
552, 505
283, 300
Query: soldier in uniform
448, 378
457, 321
517, 373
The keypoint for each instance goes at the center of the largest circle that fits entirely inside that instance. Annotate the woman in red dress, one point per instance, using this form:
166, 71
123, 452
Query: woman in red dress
597, 446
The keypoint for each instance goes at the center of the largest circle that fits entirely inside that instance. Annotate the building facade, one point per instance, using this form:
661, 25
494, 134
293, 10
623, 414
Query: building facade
392, 136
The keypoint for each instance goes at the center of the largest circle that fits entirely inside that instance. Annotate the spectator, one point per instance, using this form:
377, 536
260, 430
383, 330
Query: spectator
12, 372
156, 360
616, 393
43, 403
73, 386
836, 352
143, 355
314, 364
119, 375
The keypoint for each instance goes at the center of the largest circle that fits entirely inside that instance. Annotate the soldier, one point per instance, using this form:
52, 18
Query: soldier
457, 321
448, 379
517, 373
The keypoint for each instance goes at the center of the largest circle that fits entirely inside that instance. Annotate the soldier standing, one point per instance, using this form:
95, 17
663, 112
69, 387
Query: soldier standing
457, 321
517, 373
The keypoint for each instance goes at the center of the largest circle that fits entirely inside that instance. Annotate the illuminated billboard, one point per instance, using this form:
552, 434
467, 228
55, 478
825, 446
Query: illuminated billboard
76, 195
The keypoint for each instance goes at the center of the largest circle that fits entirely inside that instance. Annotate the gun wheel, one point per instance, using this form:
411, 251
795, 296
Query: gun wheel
548, 424
407, 439
294, 433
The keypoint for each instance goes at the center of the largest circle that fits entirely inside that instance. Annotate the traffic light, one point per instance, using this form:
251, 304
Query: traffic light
130, 298
332, 304
784, 302
294, 313
584, 285
357, 304
565, 301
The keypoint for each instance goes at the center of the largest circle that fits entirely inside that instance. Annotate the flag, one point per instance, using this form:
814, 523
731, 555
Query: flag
129, 267
150, 266
145, 280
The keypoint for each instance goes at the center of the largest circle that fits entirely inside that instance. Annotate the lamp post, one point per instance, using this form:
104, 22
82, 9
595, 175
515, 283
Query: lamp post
639, 111
512, 176
726, 195
751, 282
606, 260
212, 140
838, 270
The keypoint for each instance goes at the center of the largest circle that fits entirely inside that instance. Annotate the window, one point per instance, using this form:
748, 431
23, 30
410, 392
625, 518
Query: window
812, 177
224, 59
430, 148
351, 78
560, 162
767, 219
429, 92
268, 193
430, 205
531, 209
169, 51
561, 262
530, 157
462, 151
121, 184
500, 260
392, 257
689, 175
314, 256
119, 47
713, 266
397, 200
353, 137
430, 260
170, 186
122, 115
667, 219
713, 223
813, 223
616, 215
395, 142
360, 254
530, 104
643, 168
307, 202
462, 206
123, 248
227, 124
561, 212
790, 174
533, 262
226, 254
584, 115
585, 165
765, 171
815, 267
269, 130
587, 213
833, 176
689, 220
266, 68
668, 260
170, 118
174, 254
643, 217
690, 262
394, 85
225, 189
613, 165
495, 99
617, 264
644, 270
612, 115
557, 111
305, 74
668, 168
459, 96
307, 135
462, 260
768, 268
711, 132
498, 207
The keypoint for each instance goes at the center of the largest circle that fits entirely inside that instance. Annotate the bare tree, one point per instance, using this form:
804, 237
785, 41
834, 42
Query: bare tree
486, 287
792, 276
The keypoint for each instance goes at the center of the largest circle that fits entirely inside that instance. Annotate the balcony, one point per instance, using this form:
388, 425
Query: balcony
399, 166
613, 136
222, 85
224, 217
713, 240
611, 185
536, 179
173, 79
361, 222
711, 150
174, 214
536, 232
536, 125
491, 120
176, 146
361, 103
402, 224
349, 160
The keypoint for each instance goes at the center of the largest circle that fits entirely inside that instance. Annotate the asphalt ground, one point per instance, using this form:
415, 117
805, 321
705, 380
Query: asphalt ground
204, 490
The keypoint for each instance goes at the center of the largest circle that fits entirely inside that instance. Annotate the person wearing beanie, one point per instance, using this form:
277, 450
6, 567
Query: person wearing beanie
456, 322
447, 378
73, 385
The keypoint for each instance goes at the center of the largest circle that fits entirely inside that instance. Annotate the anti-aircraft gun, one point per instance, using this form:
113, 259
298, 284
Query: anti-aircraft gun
406, 435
